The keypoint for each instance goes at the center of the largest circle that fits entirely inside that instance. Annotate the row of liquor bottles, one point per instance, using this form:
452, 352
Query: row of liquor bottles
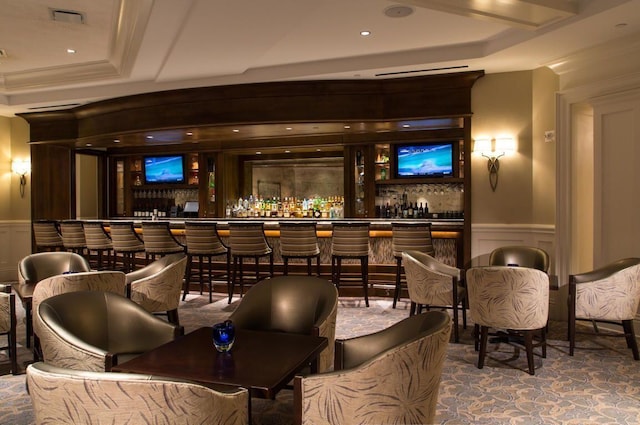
287, 207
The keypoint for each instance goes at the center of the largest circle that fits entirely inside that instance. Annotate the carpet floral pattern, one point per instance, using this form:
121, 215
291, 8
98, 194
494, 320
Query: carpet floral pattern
599, 385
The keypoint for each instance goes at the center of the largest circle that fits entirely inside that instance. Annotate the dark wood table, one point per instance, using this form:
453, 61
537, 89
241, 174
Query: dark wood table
262, 362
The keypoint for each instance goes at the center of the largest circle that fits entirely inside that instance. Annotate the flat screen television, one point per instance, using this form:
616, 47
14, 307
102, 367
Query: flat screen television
424, 160
163, 169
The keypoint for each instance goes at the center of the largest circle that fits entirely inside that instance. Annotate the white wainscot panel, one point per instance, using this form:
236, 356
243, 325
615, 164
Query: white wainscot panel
16, 244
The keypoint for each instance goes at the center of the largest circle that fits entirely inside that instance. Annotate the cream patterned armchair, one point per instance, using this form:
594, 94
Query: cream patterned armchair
294, 304
610, 294
434, 284
388, 377
64, 396
157, 286
8, 324
95, 330
510, 299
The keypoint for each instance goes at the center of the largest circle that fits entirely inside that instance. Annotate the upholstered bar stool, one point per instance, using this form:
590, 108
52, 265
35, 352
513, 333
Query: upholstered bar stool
158, 240
99, 241
409, 237
47, 236
247, 240
299, 240
126, 242
350, 241
73, 236
203, 242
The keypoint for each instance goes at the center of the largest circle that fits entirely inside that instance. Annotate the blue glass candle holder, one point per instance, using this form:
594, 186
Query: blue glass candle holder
224, 334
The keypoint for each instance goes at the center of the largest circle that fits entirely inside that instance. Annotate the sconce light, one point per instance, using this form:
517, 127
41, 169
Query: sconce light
21, 168
492, 150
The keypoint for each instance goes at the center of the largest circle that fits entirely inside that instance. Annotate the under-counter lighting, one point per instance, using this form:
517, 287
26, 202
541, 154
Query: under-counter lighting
21, 167
492, 149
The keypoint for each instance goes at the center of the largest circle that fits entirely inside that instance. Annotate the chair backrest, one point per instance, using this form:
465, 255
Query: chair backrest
611, 292
380, 367
96, 236
72, 234
160, 291
124, 237
520, 256
203, 238
411, 237
35, 267
157, 238
429, 281
350, 239
298, 239
508, 297
248, 239
65, 396
47, 234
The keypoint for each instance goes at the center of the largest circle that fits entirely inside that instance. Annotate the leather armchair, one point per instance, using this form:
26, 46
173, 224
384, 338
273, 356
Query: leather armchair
94, 330
520, 256
391, 376
294, 304
8, 324
64, 396
35, 267
610, 294
156, 287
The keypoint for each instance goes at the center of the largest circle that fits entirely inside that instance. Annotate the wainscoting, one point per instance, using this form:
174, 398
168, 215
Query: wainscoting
15, 237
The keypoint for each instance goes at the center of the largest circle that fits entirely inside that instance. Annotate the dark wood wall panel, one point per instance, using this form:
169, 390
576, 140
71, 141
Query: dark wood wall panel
52, 175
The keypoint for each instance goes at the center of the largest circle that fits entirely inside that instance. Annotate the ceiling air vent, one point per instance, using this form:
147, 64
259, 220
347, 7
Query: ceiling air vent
68, 16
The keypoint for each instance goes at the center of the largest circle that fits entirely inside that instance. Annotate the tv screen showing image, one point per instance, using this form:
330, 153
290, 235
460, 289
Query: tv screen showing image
425, 160
164, 169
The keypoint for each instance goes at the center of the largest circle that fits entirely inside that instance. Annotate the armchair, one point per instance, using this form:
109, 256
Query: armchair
8, 324
391, 376
65, 396
94, 330
156, 287
610, 294
294, 304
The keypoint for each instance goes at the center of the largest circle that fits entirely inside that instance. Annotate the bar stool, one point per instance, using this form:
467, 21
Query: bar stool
98, 241
47, 236
126, 241
409, 237
247, 240
203, 242
158, 240
351, 241
299, 240
73, 236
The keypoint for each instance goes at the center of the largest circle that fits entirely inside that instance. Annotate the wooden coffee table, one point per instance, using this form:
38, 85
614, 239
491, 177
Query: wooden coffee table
263, 362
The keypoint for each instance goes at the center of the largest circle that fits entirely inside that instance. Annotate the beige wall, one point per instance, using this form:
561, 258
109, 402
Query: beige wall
6, 177
20, 208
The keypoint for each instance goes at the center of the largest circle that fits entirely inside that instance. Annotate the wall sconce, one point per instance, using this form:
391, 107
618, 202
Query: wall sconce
492, 150
21, 168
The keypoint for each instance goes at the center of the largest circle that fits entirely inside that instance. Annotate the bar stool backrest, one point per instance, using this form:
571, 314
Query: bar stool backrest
158, 238
350, 239
248, 239
125, 238
411, 237
47, 234
202, 238
96, 236
72, 234
298, 239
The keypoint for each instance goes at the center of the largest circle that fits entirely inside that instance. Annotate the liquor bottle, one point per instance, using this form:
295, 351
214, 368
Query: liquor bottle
410, 212
421, 211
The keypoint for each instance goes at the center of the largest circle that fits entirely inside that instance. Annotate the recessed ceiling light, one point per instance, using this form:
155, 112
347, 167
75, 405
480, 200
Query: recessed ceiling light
71, 51
287, 151
189, 133
116, 140
398, 11
347, 127
406, 125
235, 130
149, 137
365, 33
318, 150
288, 128
258, 153
89, 145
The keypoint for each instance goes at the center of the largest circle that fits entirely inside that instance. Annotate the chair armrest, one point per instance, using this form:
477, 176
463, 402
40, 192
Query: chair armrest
603, 272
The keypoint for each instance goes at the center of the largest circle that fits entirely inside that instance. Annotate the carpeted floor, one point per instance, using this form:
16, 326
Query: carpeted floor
599, 385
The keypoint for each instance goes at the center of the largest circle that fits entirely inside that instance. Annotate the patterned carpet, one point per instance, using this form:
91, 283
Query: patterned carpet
599, 385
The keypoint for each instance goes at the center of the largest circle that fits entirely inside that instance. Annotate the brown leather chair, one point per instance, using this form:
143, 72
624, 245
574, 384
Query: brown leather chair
95, 330
520, 256
294, 304
156, 287
372, 373
610, 294
65, 396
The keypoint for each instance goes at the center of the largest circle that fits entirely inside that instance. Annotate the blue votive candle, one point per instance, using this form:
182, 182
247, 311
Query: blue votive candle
224, 334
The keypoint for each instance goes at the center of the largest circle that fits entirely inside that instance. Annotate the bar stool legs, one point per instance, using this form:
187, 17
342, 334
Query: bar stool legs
336, 267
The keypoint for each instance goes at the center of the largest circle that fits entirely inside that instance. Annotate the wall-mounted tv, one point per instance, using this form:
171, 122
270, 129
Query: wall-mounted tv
163, 169
424, 160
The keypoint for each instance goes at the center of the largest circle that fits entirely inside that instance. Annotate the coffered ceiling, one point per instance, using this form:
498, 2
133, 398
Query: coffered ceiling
56, 54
